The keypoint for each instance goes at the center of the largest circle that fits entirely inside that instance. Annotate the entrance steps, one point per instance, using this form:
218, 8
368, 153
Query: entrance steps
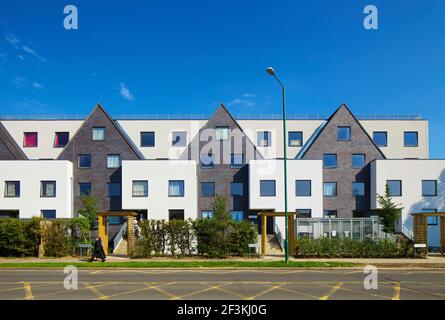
272, 245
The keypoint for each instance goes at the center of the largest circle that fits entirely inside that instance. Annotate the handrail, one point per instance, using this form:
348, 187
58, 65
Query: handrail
407, 231
279, 236
119, 236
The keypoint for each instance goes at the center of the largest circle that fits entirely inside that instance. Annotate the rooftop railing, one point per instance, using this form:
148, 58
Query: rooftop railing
205, 117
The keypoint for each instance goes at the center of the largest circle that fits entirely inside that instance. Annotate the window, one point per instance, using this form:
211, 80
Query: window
207, 214
206, 160
140, 188
237, 189
179, 138
12, 189
222, 133
303, 188
330, 189
236, 160
176, 188
175, 215
358, 189
147, 139
380, 138
114, 189
114, 221
263, 138
358, 161
429, 188
432, 221
329, 161
304, 213
395, 187
61, 139
98, 133
113, 161
207, 189
84, 188
410, 139
84, 161
47, 189
48, 214
30, 139
267, 188
329, 213
344, 133
237, 216
295, 138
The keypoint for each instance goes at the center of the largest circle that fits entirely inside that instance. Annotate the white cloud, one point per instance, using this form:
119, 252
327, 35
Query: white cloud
125, 93
33, 53
20, 57
249, 95
37, 85
241, 102
19, 82
12, 40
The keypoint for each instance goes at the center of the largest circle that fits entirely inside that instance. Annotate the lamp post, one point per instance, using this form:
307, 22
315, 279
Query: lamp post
271, 72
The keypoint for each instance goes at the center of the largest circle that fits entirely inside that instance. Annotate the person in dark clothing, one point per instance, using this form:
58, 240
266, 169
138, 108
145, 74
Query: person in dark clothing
98, 251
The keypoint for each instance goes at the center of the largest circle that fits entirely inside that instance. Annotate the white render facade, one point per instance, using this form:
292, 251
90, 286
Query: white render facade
400, 140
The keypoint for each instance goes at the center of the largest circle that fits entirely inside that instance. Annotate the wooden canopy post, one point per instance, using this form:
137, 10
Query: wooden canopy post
291, 228
263, 234
103, 231
292, 243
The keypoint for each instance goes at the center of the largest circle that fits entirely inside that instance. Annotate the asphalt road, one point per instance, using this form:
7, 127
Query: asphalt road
226, 284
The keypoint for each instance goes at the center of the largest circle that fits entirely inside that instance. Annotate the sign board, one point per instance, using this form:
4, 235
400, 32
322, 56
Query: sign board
420, 245
253, 245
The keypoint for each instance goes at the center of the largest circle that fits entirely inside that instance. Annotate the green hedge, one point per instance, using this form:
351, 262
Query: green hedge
347, 248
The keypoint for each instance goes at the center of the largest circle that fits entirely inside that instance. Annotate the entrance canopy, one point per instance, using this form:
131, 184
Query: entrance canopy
420, 222
103, 230
291, 226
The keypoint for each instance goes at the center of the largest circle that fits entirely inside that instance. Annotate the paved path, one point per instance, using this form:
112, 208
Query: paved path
226, 284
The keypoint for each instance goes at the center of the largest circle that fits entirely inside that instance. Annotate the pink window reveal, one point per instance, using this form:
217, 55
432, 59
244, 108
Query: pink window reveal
30, 139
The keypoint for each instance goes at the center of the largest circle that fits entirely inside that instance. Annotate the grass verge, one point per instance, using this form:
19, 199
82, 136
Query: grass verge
182, 264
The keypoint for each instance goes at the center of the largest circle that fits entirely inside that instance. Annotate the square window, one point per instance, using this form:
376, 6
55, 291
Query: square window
84, 188
358, 189
114, 189
12, 189
304, 213
179, 138
236, 160
47, 189
410, 139
295, 138
395, 188
98, 133
140, 188
330, 189
329, 161
175, 215
433, 221
48, 214
329, 213
206, 214
429, 188
344, 133
206, 160
30, 139
207, 189
222, 133
358, 161
264, 138
237, 215
380, 138
176, 188
61, 139
84, 161
237, 189
267, 188
113, 161
303, 188
147, 139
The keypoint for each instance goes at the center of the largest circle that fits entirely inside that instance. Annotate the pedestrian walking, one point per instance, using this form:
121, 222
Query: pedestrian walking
98, 251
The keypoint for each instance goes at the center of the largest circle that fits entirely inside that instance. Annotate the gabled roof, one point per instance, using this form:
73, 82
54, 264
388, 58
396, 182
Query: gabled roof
221, 109
13, 148
319, 131
99, 108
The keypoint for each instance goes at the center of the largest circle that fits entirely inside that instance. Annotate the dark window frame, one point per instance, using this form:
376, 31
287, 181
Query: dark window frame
352, 160
176, 211
336, 160
209, 195
120, 160
84, 154
84, 183
289, 139
303, 209
404, 139
336, 189
401, 190
182, 195
274, 188
386, 138
99, 127
146, 145
364, 189
435, 189
48, 210
145, 195
42, 183
55, 138
236, 166
37, 139
310, 187
344, 127
6, 188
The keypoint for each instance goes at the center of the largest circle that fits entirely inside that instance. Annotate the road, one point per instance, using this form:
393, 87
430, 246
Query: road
225, 284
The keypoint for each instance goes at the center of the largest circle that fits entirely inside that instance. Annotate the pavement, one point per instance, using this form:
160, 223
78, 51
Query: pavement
222, 284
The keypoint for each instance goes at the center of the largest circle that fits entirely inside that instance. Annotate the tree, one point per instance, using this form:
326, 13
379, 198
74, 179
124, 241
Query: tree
389, 211
89, 211
220, 212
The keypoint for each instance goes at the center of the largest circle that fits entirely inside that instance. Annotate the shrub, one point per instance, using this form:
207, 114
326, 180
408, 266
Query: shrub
33, 233
55, 238
12, 237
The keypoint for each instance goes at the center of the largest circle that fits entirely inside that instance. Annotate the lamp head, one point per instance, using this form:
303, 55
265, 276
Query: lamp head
270, 71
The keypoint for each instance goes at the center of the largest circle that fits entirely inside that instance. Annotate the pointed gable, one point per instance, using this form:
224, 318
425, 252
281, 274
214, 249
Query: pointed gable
222, 118
116, 138
325, 139
9, 149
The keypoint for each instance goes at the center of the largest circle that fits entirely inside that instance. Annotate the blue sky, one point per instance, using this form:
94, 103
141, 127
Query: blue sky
186, 57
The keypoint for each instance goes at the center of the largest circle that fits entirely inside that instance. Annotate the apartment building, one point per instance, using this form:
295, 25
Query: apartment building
168, 167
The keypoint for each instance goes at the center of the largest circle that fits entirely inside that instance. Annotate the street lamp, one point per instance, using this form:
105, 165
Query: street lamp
271, 72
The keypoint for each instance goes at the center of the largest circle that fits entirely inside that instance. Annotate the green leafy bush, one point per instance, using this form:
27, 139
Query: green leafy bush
55, 238
12, 237
347, 248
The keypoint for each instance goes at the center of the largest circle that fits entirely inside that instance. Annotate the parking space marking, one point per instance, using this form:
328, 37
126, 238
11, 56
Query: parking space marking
134, 291
396, 294
28, 291
331, 291
212, 287
228, 291
94, 290
270, 289
297, 292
